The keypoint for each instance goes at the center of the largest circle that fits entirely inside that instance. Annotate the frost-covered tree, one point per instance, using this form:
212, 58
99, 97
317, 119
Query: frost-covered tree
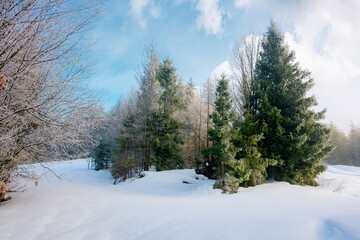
127, 159
147, 100
207, 96
40, 60
246, 52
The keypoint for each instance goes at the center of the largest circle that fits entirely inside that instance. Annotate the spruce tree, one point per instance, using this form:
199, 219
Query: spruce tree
167, 141
292, 132
252, 166
102, 156
222, 151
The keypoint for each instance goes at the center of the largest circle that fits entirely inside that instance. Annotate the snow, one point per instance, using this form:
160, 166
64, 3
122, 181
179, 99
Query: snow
179, 204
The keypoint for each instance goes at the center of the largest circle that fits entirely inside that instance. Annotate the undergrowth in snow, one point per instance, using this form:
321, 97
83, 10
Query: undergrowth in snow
179, 204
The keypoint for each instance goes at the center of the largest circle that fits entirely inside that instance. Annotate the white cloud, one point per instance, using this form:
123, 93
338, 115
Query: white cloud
210, 17
326, 39
242, 3
138, 7
223, 68
155, 12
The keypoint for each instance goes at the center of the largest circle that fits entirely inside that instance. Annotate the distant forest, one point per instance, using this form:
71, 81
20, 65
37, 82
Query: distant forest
347, 147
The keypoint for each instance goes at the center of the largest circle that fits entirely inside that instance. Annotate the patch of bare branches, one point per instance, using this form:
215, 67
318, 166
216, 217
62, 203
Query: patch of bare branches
246, 51
42, 90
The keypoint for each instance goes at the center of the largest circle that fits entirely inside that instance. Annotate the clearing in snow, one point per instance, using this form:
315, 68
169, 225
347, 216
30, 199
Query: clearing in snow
179, 204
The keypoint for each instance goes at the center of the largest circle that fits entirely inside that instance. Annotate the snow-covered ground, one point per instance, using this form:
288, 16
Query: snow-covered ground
85, 205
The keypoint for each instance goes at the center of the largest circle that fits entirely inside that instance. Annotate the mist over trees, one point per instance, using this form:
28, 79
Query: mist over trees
347, 147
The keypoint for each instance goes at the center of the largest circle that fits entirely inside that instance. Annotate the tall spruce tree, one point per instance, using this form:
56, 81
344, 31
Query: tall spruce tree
222, 150
165, 128
292, 132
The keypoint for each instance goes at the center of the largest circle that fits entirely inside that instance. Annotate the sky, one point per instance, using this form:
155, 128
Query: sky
198, 36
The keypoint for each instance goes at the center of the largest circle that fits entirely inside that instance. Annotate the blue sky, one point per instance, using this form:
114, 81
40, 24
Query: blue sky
198, 36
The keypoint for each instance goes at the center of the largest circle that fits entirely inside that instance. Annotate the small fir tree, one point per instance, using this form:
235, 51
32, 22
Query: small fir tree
102, 155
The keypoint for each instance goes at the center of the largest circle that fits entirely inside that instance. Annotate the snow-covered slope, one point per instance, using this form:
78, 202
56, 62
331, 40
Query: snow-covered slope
180, 205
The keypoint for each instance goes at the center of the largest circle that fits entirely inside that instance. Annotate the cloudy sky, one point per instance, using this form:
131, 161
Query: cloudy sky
198, 35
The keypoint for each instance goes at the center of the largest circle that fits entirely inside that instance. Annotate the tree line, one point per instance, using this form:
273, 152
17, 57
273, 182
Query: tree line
162, 124
347, 147
262, 129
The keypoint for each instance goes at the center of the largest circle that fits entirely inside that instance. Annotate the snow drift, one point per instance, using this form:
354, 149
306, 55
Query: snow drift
179, 204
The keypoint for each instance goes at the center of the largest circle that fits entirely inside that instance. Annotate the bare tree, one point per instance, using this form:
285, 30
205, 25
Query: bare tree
147, 100
245, 54
128, 159
194, 132
209, 96
40, 58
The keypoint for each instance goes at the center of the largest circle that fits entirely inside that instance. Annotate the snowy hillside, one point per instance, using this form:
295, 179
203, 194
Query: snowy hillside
180, 205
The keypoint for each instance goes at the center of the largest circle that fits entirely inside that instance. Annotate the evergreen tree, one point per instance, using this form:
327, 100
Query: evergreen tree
222, 149
102, 156
251, 170
164, 127
167, 142
292, 132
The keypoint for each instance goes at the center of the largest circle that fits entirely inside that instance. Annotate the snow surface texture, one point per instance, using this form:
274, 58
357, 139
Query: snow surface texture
179, 205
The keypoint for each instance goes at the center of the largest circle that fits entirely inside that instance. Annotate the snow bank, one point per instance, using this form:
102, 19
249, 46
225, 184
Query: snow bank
342, 179
180, 204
